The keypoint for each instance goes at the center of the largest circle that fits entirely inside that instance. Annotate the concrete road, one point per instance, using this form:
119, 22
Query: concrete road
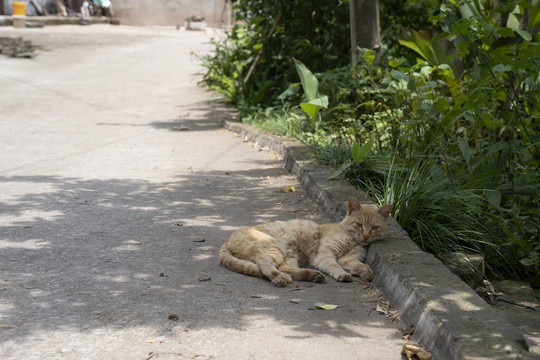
111, 217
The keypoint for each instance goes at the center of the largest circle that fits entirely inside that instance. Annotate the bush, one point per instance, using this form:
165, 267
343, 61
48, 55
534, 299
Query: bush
267, 37
453, 134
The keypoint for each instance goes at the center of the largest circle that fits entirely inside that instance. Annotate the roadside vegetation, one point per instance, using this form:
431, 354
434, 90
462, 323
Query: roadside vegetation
444, 124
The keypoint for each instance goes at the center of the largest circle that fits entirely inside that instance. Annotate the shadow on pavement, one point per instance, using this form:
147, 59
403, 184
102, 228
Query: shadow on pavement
89, 254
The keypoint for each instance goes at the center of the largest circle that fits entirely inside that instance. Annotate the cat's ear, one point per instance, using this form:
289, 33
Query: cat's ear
353, 205
385, 211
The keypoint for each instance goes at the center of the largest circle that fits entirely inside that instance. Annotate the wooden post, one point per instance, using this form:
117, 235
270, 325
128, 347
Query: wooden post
365, 26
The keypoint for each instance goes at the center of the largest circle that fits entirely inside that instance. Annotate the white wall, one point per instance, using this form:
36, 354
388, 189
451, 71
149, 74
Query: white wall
149, 12
166, 12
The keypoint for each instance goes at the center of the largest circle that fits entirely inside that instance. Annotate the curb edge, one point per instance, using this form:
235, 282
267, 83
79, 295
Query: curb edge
450, 319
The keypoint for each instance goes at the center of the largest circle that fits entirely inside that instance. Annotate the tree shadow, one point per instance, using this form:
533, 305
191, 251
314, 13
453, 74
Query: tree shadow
90, 254
194, 117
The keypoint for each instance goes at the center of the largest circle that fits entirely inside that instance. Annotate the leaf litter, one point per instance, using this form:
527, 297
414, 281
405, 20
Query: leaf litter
384, 308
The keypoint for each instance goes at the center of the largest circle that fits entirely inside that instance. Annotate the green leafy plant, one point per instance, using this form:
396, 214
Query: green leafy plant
315, 101
253, 66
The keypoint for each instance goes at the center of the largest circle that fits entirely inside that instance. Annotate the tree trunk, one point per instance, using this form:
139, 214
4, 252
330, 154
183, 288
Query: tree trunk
365, 27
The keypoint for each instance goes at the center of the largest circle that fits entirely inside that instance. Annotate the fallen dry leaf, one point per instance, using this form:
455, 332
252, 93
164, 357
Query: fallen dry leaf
414, 352
384, 308
180, 128
298, 287
407, 332
326, 307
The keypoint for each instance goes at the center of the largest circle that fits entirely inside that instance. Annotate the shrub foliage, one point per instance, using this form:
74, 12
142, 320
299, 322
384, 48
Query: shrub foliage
450, 116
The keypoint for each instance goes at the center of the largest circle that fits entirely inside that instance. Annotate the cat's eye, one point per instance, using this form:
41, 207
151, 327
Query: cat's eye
359, 225
374, 227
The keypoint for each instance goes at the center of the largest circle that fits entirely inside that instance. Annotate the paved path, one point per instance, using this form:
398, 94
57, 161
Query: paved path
111, 220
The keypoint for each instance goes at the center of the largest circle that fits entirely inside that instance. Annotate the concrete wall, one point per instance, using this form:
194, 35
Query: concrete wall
146, 12
166, 12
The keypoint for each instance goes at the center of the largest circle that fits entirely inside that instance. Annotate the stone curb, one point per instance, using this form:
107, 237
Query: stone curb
451, 320
7, 20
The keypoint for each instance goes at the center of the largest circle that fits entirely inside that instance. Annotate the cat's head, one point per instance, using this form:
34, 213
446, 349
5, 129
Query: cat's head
366, 222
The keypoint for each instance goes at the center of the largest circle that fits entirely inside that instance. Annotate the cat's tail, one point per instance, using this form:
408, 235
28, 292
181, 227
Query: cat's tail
231, 262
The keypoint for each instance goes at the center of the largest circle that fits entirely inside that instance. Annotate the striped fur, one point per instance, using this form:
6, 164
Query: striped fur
281, 250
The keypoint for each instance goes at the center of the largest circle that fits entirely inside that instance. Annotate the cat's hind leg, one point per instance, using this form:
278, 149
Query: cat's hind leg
268, 268
291, 267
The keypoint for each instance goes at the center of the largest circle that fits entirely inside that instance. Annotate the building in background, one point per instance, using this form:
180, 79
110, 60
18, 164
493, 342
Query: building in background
142, 12
170, 12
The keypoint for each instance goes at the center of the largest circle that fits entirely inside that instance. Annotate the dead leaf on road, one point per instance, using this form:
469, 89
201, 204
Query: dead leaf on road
298, 287
414, 352
384, 308
326, 307
180, 128
407, 332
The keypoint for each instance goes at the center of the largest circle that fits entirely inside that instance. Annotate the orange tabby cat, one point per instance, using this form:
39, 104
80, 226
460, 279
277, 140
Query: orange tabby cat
279, 250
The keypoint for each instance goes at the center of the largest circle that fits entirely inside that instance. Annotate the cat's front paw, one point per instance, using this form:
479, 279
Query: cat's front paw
345, 277
281, 280
366, 273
